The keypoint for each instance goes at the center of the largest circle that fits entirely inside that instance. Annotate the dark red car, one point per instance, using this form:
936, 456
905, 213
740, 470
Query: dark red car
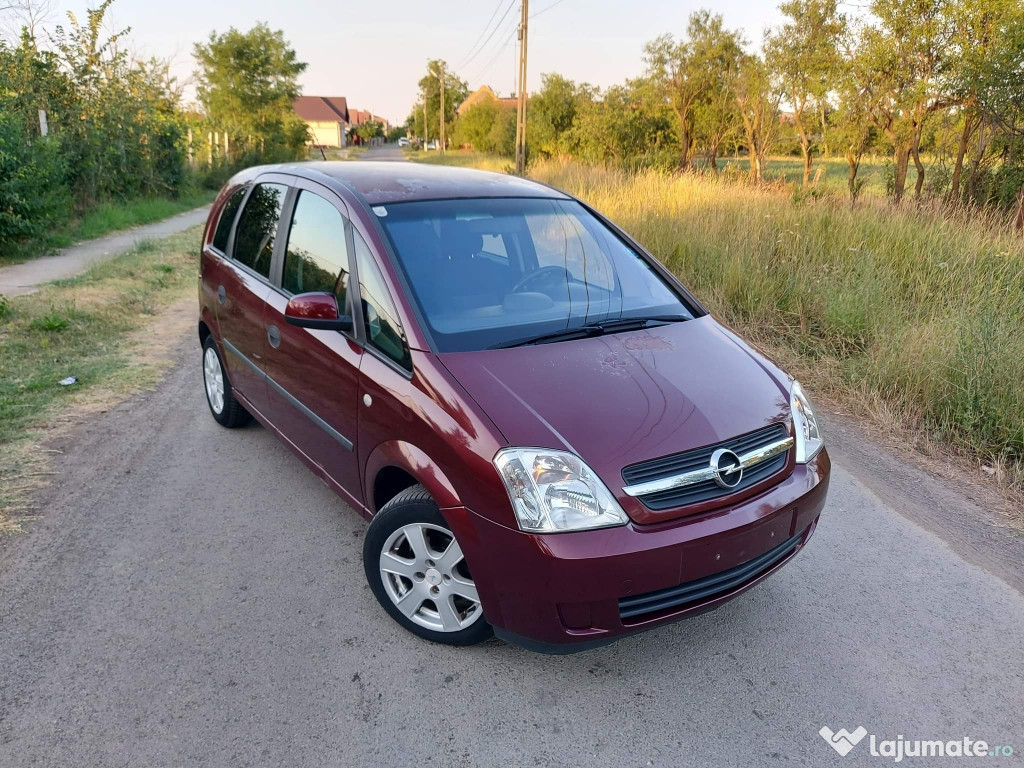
552, 439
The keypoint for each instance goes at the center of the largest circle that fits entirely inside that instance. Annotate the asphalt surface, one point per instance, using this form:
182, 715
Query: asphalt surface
25, 278
194, 596
385, 152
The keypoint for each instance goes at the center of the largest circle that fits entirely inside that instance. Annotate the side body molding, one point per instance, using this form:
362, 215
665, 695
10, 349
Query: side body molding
340, 438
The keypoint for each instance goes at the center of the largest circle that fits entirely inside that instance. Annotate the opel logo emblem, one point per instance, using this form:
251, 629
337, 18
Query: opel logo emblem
727, 468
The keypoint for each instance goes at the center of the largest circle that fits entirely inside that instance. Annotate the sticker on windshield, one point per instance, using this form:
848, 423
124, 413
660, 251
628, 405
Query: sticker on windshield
380, 210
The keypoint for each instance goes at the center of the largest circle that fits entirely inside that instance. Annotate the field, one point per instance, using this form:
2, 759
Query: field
833, 178
912, 316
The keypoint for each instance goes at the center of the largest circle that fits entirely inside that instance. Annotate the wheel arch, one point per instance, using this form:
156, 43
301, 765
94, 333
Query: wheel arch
207, 325
396, 465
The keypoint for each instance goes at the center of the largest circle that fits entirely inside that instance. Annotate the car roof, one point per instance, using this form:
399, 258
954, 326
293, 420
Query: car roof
379, 182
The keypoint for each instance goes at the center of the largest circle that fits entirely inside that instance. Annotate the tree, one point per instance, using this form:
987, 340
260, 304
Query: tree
695, 77
671, 65
715, 113
757, 100
804, 53
247, 82
455, 92
852, 131
988, 75
902, 62
474, 124
501, 139
626, 128
367, 131
28, 15
552, 111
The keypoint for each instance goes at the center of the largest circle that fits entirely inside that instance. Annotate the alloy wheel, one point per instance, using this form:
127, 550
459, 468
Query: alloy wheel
213, 377
425, 575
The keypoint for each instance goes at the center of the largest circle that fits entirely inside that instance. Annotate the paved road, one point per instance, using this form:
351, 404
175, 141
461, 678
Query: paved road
387, 152
194, 596
25, 278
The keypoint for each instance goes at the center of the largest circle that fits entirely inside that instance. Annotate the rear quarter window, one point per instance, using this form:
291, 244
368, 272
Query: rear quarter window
257, 227
227, 218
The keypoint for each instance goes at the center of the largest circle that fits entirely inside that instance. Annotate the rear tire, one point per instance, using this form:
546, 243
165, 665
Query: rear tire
417, 572
220, 396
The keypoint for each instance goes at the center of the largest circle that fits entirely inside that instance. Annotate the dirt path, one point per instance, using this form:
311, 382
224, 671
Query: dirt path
25, 278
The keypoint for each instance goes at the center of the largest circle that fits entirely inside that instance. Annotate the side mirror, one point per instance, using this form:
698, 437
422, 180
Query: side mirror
316, 310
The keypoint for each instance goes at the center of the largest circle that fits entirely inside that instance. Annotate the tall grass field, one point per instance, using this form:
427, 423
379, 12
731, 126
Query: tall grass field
914, 309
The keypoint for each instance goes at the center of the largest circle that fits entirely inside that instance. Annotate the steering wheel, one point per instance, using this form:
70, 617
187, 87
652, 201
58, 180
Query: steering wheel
551, 276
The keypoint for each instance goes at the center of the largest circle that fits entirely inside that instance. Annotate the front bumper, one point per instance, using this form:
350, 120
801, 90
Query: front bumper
559, 593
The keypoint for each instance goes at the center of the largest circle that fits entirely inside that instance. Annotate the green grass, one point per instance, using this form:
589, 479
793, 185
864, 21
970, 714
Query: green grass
833, 173
109, 217
80, 327
917, 311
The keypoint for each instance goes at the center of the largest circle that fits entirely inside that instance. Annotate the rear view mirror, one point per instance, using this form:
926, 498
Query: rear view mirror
316, 310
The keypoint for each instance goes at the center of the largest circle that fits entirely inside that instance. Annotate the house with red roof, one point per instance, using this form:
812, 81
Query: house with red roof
327, 118
484, 94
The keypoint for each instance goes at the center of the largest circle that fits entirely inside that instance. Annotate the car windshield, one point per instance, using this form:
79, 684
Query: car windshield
495, 272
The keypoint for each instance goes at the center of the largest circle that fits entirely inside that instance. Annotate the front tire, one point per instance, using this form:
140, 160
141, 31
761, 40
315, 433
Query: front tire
219, 394
417, 572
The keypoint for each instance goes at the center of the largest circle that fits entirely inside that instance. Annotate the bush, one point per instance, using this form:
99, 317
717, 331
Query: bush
34, 195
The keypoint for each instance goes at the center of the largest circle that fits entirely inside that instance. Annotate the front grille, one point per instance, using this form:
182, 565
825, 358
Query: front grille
699, 458
708, 587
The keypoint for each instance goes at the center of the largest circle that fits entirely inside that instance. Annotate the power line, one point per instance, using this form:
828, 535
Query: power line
482, 32
508, 34
488, 40
545, 10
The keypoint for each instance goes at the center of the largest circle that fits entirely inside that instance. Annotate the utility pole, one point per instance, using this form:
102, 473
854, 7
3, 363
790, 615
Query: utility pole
424, 121
521, 105
441, 133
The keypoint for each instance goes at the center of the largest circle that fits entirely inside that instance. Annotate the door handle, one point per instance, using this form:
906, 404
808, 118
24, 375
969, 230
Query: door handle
222, 295
274, 336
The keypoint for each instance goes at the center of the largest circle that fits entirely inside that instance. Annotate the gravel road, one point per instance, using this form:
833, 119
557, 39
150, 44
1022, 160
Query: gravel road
193, 596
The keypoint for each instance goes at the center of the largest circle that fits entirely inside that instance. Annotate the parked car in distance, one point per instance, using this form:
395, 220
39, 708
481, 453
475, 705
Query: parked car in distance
550, 437
431, 145
403, 141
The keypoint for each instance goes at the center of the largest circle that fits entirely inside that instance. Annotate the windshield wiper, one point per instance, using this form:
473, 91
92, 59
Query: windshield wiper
593, 329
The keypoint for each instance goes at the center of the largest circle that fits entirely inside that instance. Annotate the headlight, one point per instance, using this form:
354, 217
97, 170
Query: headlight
555, 491
805, 425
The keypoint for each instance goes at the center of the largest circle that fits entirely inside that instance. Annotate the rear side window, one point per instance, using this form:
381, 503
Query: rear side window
380, 317
257, 227
227, 218
317, 256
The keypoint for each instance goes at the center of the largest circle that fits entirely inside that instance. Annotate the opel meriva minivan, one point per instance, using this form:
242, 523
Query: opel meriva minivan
551, 438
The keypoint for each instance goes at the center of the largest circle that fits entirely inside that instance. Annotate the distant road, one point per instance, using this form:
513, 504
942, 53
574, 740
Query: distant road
388, 152
22, 279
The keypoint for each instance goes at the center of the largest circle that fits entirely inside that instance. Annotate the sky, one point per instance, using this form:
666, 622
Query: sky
374, 53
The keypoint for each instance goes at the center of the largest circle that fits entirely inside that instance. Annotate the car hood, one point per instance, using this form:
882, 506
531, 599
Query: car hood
622, 398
